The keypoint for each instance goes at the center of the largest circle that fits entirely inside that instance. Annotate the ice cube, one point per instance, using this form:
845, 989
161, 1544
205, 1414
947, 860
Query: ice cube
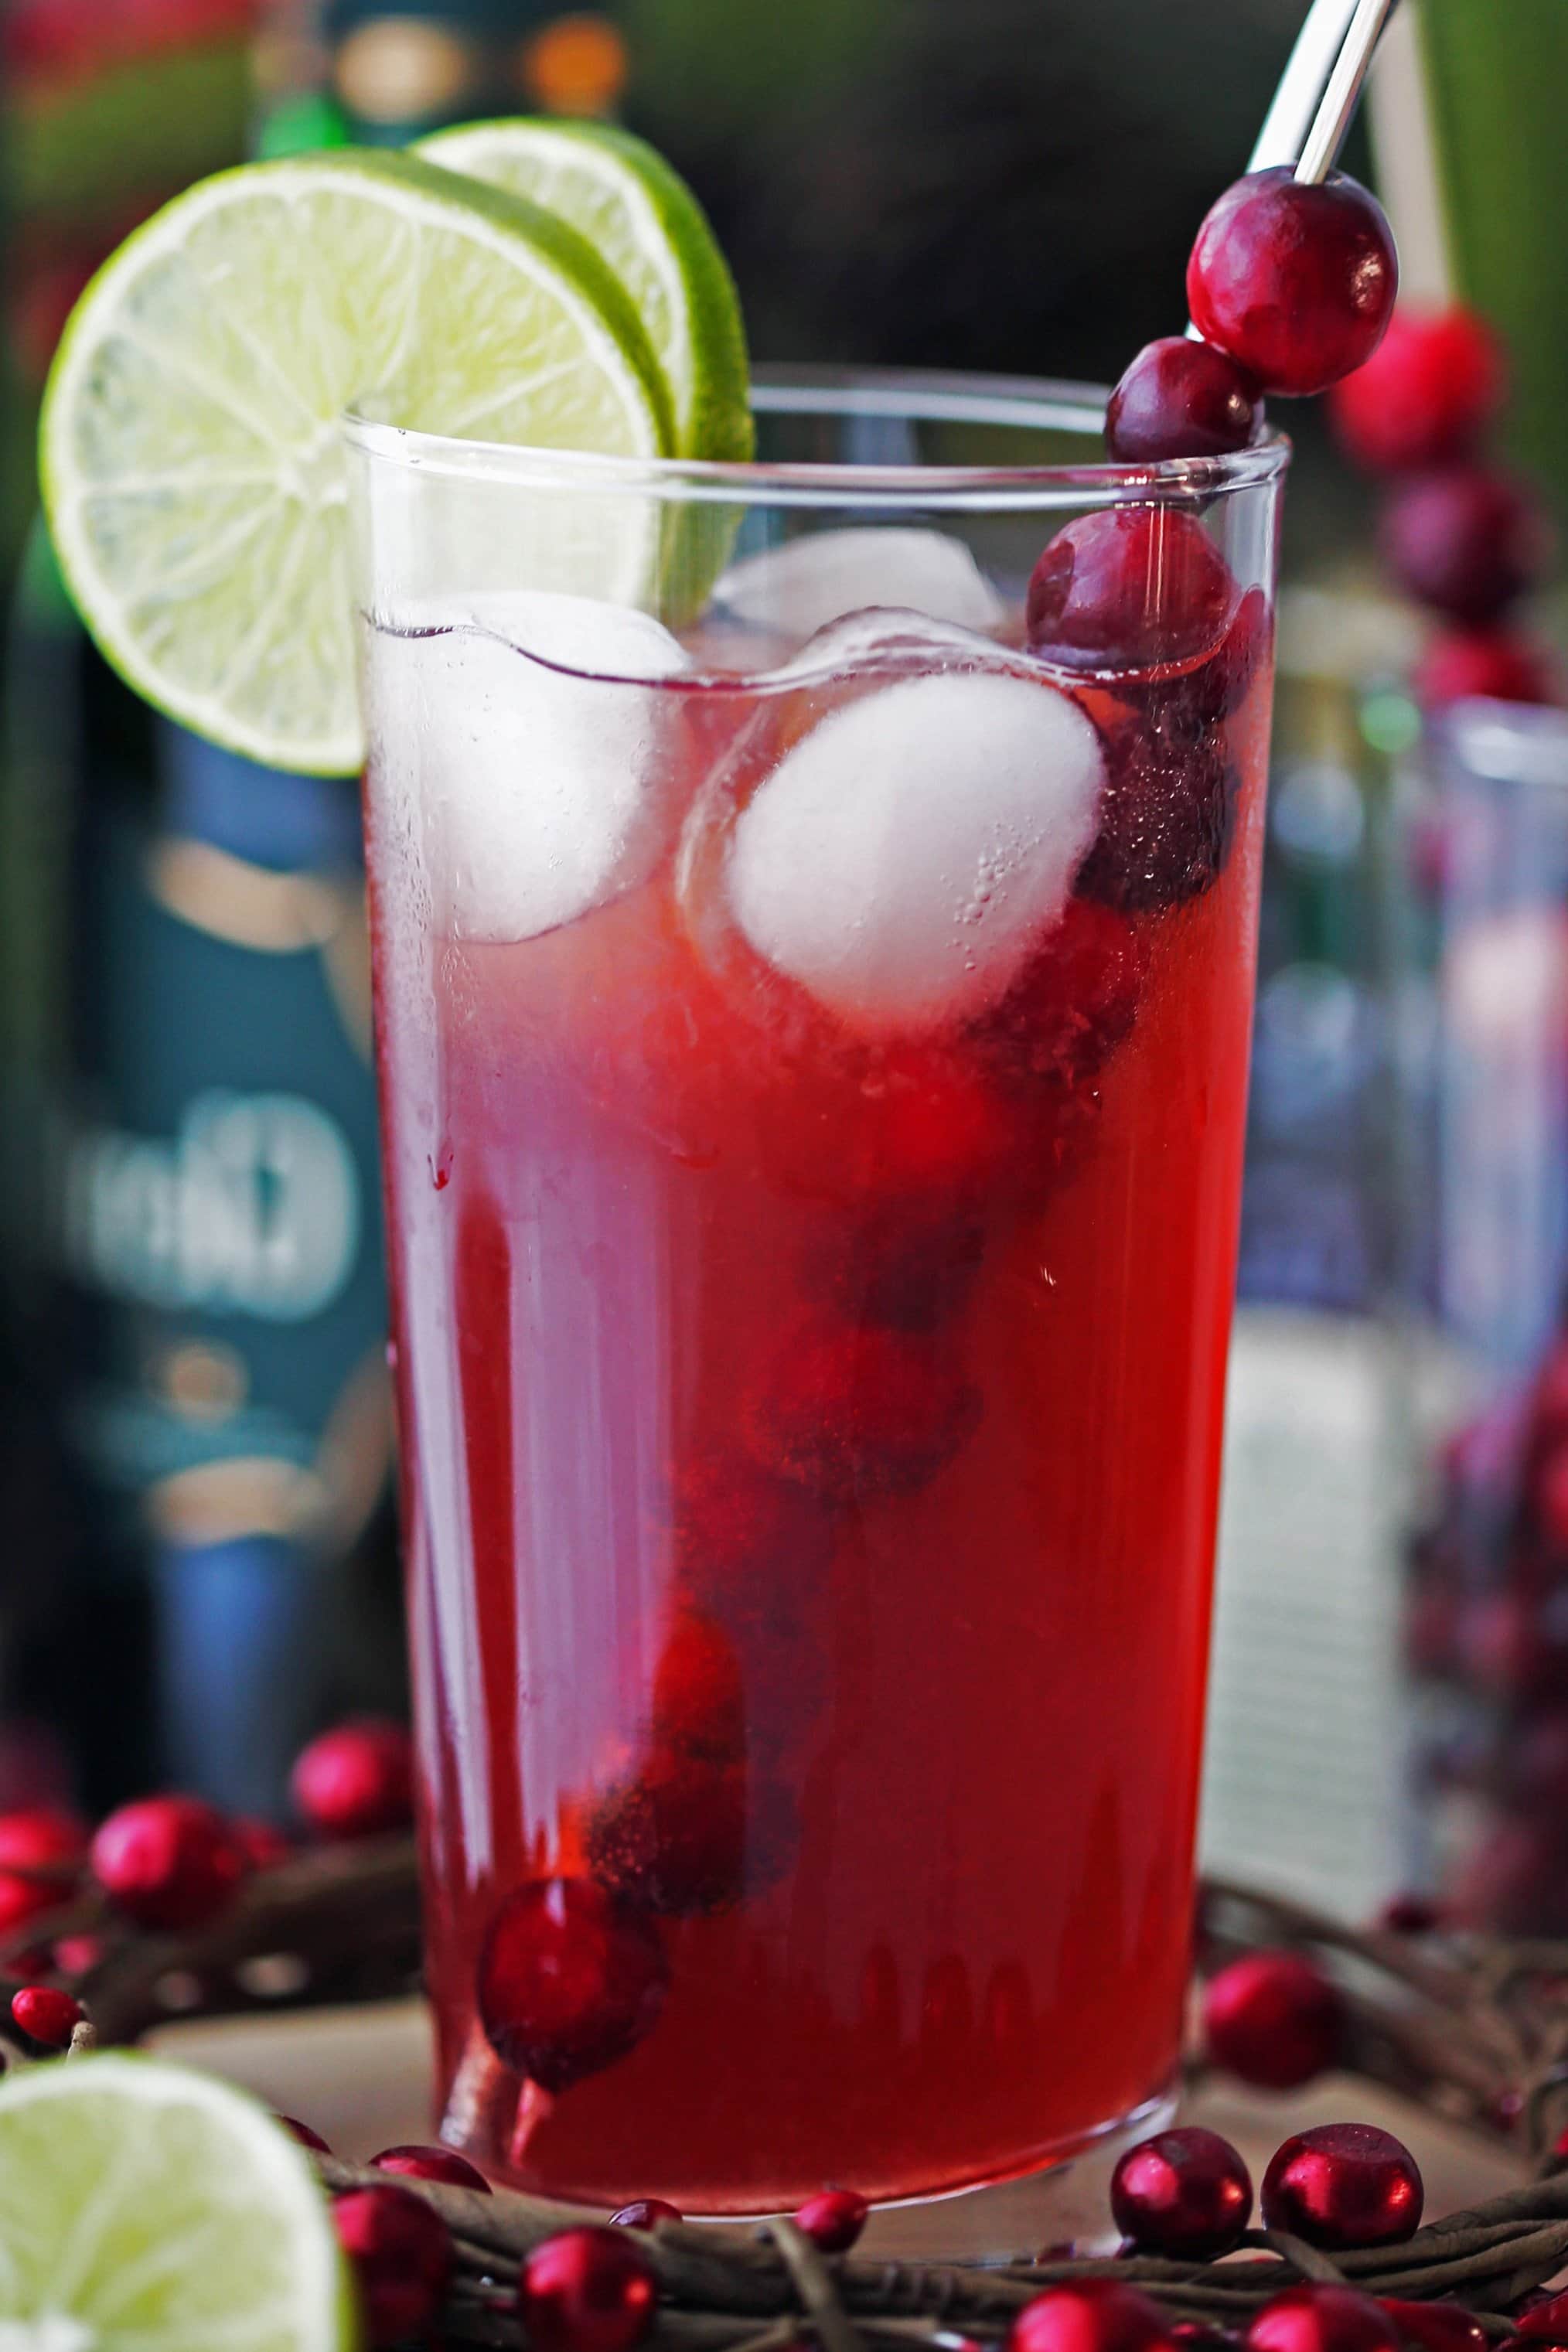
901, 860
801, 587
538, 761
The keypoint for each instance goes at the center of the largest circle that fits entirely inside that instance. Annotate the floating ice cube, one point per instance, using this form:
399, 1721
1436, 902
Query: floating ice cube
800, 587
536, 757
900, 861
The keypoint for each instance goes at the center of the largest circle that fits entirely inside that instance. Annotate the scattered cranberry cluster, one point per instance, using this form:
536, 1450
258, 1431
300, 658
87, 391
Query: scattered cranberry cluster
1486, 1632
1458, 534
172, 1863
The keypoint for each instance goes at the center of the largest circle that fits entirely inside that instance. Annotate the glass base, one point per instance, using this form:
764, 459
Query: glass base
1065, 2202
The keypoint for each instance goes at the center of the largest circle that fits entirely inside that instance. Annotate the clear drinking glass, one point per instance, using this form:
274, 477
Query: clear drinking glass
814, 1039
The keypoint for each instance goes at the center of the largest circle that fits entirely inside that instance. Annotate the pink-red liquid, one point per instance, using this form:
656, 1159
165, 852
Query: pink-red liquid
811, 1454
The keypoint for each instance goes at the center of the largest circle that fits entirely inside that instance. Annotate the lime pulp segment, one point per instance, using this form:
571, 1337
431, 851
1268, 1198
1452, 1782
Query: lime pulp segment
148, 2207
192, 467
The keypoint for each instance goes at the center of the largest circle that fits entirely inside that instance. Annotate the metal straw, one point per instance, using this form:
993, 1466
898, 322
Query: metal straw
1332, 118
1311, 109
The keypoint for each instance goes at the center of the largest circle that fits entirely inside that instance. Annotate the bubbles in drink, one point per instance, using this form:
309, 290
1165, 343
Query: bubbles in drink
538, 756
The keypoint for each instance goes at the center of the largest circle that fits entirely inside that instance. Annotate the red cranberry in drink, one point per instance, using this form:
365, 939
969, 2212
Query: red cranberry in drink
1183, 2193
48, 2015
571, 1979
1181, 398
1073, 1004
1493, 665
1273, 2020
1322, 2319
305, 2135
931, 1132
1425, 396
833, 2220
743, 1542
41, 1838
1437, 2327
644, 2213
913, 1269
1203, 696
1168, 816
1296, 281
168, 1861
1344, 2185
1089, 2315
588, 2290
1129, 588
673, 1837
443, 2164
400, 2253
699, 1696
1467, 541
356, 1780
849, 1411
1546, 2322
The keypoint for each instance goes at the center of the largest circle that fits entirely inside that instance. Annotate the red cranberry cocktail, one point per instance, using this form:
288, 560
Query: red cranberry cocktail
813, 1007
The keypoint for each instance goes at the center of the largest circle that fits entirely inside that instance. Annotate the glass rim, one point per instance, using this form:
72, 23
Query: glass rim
1040, 404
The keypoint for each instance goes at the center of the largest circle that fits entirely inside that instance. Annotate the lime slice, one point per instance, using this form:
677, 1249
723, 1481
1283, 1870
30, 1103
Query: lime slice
144, 2207
192, 467
645, 222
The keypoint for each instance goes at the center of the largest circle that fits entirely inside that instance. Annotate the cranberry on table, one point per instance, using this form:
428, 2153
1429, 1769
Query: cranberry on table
1437, 2327
1469, 542
23, 1898
571, 1979
1184, 2193
1090, 2316
1427, 393
356, 1780
1547, 2321
1344, 2185
1491, 664
1181, 398
1295, 280
414, 2162
1322, 2319
833, 2220
400, 2251
305, 2135
1127, 588
262, 1843
1273, 2020
42, 1838
168, 1863
48, 2015
588, 2290
644, 2213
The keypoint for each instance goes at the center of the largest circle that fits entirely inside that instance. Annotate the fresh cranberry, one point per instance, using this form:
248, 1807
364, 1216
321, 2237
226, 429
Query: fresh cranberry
1427, 393
263, 1845
699, 1695
305, 2135
400, 2251
673, 1837
44, 1839
736, 1533
1411, 1915
1322, 2319
1127, 588
644, 2213
1209, 691
1492, 665
588, 2290
1546, 2321
168, 1863
1467, 541
356, 1781
1089, 2315
442, 2164
1181, 398
47, 2015
571, 1979
1168, 816
23, 1899
833, 2220
1344, 2185
1295, 280
1183, 2193
1436, 2326
77, 1956
852, 1411
1074, 1002
1273, 2020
